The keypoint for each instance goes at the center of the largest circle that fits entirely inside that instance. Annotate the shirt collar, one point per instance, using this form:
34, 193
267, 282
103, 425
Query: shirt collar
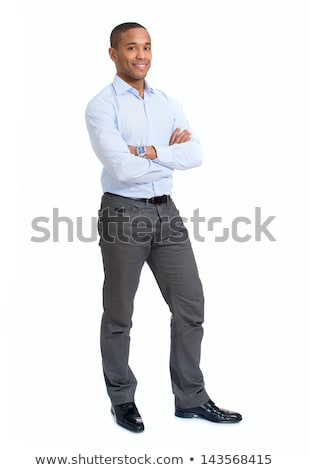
121, 86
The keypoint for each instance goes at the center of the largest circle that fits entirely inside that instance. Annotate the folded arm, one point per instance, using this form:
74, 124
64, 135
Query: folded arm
176, 155
184, 150
113, 152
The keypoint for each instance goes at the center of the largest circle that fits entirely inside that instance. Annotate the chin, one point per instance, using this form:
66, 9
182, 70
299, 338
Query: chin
140, 77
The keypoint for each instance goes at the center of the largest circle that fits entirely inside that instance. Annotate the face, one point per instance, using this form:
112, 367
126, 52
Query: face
133, 55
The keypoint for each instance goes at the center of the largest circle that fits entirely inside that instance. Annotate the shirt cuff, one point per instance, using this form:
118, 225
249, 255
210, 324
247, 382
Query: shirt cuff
164, 154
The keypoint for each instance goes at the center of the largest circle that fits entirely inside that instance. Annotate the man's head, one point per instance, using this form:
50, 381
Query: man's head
122, 28
131, 51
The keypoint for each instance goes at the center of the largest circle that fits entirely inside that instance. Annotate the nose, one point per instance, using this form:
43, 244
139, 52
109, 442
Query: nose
140, 53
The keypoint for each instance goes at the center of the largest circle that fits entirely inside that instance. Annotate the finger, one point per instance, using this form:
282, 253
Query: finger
174, 136
183, 136
186, 137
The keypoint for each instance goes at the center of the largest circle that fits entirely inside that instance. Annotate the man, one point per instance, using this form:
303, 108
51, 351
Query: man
141, 136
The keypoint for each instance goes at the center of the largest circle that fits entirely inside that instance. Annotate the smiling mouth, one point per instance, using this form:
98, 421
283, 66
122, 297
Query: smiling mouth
140, 66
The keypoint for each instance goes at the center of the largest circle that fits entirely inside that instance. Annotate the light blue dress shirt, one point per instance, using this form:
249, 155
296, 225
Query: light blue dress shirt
117, 117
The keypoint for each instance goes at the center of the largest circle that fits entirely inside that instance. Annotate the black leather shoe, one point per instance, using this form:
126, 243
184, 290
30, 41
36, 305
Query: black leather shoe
210, 412
128, 417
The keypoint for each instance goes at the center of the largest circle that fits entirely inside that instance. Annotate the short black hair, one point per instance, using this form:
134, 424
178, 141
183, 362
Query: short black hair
122, 28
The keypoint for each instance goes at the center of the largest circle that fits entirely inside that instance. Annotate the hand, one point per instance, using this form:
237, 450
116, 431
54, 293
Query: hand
132, 149
179, 137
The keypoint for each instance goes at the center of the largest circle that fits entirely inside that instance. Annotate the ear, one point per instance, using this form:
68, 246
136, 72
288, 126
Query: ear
112, 53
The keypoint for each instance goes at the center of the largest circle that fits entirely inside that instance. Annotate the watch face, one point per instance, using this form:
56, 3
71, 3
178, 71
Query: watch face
141, 151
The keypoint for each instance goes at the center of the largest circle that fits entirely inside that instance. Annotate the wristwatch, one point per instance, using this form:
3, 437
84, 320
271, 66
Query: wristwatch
141, 151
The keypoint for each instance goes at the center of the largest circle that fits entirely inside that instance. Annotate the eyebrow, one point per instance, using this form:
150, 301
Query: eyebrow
134, 43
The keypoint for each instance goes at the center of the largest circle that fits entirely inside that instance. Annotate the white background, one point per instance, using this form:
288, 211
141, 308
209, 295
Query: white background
240, 70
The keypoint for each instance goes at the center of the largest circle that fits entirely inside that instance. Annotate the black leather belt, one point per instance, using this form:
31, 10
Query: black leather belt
152, 200
158, 199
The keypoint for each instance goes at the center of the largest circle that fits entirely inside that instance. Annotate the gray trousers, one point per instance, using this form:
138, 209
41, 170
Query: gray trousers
131, 233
